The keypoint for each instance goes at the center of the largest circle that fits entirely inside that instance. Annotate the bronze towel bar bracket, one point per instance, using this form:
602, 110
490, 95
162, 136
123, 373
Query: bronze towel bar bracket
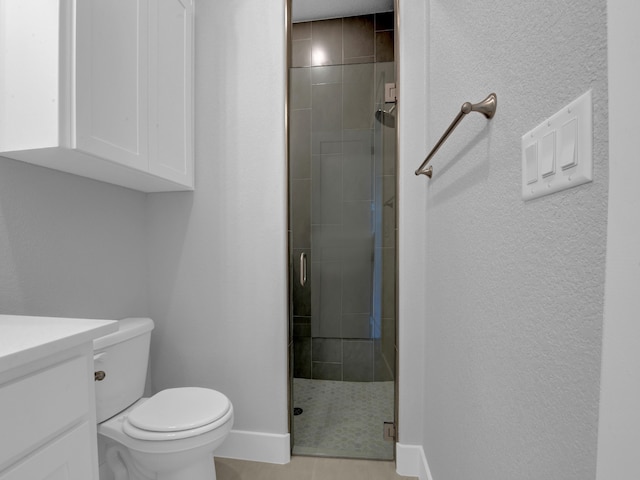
487, 107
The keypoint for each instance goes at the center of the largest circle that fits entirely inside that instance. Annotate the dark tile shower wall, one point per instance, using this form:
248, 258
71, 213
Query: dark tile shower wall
341, 66
342, 41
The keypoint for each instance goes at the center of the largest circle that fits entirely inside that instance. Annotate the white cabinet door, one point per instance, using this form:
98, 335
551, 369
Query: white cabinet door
100, 88
112, 80
170, 90
66, 458
29, 73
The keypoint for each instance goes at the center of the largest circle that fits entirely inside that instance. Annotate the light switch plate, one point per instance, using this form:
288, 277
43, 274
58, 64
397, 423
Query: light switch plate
570, 162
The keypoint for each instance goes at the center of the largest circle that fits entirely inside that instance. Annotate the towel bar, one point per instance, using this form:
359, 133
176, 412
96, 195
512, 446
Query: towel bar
487, 107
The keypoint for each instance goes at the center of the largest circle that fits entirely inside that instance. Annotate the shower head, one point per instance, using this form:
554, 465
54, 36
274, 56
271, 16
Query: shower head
386, 118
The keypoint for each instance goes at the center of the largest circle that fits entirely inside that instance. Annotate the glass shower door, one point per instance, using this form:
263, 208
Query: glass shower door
342, 239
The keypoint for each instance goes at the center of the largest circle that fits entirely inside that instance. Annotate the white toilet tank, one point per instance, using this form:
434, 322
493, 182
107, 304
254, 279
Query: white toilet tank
123, 356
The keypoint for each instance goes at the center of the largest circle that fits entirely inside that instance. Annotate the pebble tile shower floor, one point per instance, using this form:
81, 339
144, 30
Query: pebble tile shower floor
342, 419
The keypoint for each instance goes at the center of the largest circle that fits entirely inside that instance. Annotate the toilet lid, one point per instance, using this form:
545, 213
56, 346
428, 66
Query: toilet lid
177, 409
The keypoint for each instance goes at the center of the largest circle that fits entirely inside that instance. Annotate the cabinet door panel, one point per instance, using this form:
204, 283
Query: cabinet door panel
67, 458
112, 76
171, 70
66, 402
29, 73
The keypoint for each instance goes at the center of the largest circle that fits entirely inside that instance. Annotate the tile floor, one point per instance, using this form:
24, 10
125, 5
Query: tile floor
308, 468
342, 419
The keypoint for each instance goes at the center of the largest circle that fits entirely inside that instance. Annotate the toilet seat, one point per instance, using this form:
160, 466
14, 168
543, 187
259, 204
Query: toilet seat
178, 413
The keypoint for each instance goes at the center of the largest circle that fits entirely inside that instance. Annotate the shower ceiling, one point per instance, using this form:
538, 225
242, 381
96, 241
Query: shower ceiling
306, 10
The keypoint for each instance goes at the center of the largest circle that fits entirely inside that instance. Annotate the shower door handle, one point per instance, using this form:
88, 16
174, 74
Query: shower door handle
303, 269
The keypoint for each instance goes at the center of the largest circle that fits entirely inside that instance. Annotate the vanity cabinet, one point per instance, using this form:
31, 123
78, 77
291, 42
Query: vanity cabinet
101, 89
48, 419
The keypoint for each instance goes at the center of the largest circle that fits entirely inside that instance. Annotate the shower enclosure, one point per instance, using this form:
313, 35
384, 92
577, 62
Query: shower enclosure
342, 236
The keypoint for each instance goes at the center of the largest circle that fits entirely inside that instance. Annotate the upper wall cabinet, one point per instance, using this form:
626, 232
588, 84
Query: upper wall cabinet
101, 89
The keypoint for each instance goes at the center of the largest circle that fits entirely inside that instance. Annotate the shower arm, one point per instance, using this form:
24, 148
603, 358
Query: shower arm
487, 107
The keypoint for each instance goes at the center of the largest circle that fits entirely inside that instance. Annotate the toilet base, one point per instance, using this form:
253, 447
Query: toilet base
123, 466
189, 458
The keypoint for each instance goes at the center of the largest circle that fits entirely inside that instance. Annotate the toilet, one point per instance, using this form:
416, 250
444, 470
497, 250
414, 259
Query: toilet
169, 436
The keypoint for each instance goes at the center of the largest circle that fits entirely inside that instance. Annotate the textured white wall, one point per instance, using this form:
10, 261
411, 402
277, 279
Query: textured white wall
70, 246
218, 260
514, 290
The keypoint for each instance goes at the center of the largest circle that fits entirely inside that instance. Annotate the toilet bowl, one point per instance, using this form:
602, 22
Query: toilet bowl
169, 436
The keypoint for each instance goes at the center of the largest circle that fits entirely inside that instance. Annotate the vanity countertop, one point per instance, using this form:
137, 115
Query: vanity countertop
25, 339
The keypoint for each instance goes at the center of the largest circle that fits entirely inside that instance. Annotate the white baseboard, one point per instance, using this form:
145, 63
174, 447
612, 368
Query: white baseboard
412, 462
256, 447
